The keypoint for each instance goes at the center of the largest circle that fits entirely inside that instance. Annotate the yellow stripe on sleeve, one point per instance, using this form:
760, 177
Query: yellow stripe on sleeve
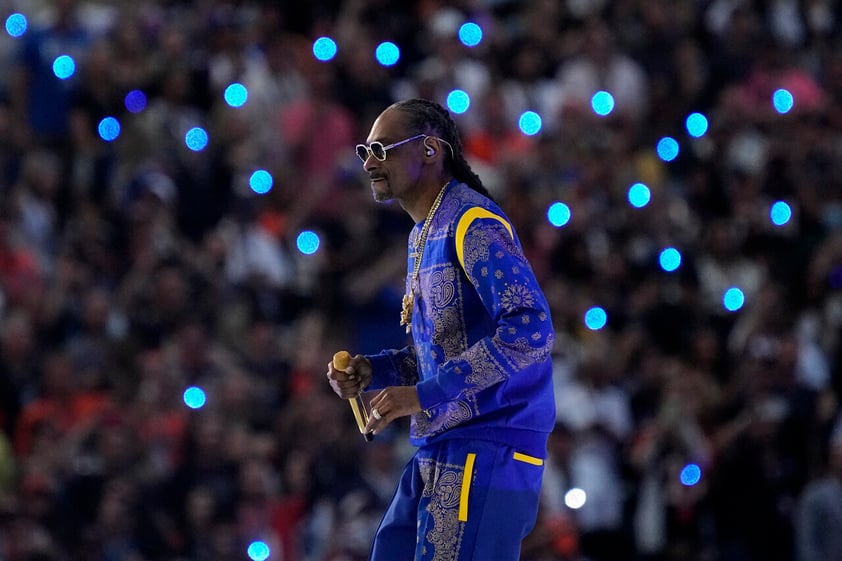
462, 228
467, 475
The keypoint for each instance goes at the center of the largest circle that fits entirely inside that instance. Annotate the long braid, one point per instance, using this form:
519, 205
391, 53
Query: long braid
428, 117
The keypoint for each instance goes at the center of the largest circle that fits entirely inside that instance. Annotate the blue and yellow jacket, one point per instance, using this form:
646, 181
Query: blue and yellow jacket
481, 329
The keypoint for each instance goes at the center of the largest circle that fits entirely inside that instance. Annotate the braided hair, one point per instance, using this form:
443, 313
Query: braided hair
427, 117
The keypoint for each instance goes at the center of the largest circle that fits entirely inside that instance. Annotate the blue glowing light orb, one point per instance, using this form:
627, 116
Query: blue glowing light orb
324, 49
196, 139
109, 129
194, 397
530, 123
696, 124
780, 213
733, 299
602, 103
690, 475
258, 551
236, 95
470, 34
639, 195
16, 25
458, 101
558, 214
308, 242
596, 318
261, 182
64, 67
135, 101
669, 259
667, 149
387, 53
782, 101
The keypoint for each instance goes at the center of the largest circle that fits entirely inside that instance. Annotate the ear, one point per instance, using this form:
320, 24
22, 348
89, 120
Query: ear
430, 150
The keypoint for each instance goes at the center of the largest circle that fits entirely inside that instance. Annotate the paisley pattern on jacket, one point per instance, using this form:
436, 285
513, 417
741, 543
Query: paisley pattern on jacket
481, 330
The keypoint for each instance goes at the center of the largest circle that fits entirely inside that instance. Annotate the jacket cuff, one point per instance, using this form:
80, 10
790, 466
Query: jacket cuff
382, 371
431, 394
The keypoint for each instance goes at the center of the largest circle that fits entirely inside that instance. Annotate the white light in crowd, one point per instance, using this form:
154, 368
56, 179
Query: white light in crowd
575, 498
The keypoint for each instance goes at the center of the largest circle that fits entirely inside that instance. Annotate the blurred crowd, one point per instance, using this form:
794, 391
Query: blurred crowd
134, 269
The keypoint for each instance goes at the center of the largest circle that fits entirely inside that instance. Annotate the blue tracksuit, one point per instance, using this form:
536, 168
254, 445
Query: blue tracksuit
480, 360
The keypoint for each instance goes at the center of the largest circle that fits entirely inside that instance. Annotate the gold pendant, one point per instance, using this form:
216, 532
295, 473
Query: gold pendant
406, 311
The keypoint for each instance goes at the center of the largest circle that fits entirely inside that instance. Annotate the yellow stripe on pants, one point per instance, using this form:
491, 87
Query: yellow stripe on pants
467, 475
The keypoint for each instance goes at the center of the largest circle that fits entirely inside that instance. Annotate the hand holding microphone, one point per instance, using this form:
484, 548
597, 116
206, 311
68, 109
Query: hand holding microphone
341, 361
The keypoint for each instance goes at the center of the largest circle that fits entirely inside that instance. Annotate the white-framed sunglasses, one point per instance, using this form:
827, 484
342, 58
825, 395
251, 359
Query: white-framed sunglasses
377, 149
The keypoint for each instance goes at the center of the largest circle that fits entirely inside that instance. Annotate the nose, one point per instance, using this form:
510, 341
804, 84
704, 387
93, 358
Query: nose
370, 162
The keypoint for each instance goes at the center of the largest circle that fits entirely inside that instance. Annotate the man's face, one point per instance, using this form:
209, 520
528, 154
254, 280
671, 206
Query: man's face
397, 175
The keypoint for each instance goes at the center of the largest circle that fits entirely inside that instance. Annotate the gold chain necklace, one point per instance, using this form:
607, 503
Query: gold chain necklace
409, 298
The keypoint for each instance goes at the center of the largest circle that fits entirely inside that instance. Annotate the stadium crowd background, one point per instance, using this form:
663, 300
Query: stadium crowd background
136, 267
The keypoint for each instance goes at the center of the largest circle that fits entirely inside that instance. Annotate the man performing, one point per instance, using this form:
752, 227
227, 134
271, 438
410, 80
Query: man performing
477, 378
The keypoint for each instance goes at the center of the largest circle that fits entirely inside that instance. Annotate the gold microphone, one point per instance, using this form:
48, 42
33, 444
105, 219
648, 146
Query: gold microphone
341, 360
